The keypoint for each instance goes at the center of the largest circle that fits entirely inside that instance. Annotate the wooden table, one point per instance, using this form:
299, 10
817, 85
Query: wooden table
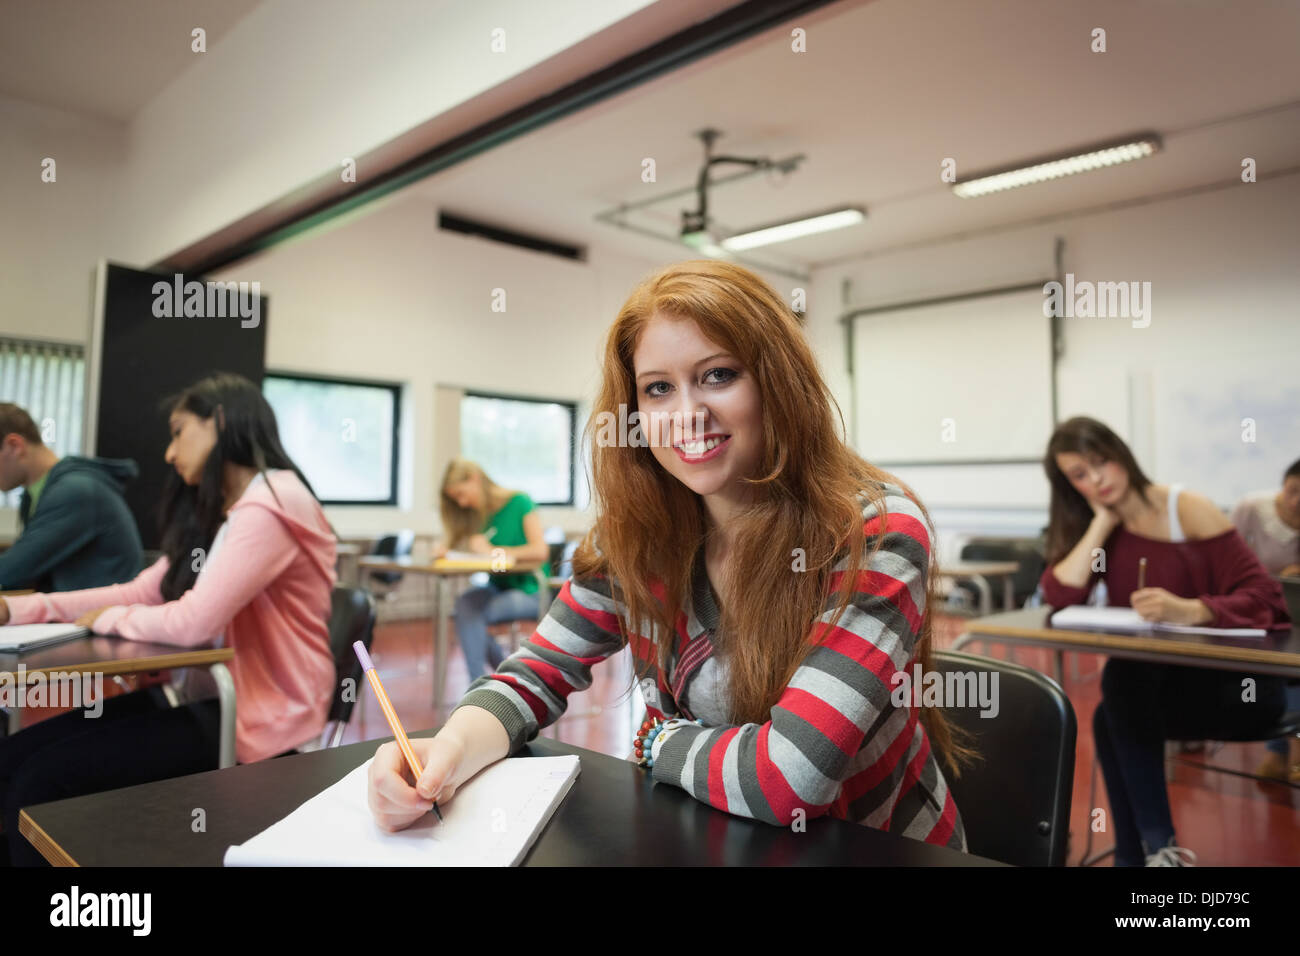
979, 572
443, 571
1278, 653
615, 815
106, 655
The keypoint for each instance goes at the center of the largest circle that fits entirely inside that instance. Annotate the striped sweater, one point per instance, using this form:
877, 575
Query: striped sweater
835, 743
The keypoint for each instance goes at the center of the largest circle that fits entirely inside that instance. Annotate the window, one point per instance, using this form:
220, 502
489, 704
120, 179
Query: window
522, 443
341, 433
48, 380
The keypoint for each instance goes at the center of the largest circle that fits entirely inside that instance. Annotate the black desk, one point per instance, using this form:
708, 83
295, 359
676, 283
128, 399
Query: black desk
614, 815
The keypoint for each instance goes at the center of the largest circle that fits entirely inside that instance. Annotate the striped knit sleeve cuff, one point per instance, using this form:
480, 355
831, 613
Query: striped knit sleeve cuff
670, 765
498, 704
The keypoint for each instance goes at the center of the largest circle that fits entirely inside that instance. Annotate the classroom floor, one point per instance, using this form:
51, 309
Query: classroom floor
1227, 820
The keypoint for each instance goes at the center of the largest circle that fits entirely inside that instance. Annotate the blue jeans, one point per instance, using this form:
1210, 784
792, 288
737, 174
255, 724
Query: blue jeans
475, 610
1142, 706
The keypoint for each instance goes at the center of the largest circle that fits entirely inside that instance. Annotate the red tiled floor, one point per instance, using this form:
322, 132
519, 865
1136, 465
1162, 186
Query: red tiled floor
1226, 820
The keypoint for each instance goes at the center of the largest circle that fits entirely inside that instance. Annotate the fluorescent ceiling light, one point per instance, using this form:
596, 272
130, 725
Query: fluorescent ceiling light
782, 232
1038, 171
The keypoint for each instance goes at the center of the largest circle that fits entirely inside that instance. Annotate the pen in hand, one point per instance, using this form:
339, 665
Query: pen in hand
403, 742
1142, 573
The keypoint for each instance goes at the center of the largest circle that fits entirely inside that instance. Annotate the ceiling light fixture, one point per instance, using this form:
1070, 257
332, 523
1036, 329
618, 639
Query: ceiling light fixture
696, 231
1138, 146
785, 231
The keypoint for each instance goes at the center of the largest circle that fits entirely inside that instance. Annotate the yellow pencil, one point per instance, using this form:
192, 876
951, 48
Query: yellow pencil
386, 705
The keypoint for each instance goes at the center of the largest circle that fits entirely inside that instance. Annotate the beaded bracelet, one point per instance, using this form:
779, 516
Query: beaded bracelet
651, 736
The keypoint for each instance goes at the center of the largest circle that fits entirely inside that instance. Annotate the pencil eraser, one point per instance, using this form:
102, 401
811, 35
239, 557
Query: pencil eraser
363, 656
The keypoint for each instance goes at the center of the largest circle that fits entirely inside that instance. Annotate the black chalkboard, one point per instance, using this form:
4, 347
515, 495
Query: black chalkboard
143, 351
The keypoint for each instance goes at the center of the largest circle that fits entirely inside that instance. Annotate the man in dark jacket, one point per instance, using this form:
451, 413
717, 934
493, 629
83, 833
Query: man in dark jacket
77, 530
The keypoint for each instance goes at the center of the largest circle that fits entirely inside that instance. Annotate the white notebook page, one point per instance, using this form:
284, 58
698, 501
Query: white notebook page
492, 821
1125, 620
16, 637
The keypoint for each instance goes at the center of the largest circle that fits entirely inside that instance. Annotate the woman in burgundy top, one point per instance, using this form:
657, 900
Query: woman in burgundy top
1106, 516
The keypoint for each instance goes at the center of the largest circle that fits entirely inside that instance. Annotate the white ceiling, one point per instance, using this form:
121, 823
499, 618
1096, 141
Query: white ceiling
887, 90
104, 58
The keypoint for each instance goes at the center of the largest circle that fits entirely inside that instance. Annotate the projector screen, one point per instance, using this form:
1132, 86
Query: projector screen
961, 381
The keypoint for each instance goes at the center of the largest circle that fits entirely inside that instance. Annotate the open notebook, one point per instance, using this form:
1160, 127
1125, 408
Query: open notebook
25, 637
492, 821
1125, 620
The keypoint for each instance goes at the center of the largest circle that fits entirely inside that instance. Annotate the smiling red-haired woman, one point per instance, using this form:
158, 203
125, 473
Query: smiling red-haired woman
771, 584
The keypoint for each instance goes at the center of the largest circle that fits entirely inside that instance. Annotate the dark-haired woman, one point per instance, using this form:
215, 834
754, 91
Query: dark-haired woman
1106, 518
248, 561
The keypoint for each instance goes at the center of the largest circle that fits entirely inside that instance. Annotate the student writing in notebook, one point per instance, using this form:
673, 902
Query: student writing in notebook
480, 516
1106, 516
1270, 523
248, 558
770, 582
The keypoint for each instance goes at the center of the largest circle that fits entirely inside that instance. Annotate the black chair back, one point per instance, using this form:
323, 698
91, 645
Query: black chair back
352, 618
1015, 800
561, 565
392, 546
1291, 594
1026, 551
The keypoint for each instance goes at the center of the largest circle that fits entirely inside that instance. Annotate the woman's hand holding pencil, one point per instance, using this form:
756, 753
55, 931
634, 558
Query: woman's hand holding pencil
409, 778
396, 799
470, 740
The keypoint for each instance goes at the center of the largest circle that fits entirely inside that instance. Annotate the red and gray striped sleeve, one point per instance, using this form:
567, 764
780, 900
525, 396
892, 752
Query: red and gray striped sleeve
801, 757
531, 687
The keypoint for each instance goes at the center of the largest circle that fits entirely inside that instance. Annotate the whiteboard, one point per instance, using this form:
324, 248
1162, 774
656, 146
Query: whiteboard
1228, 427
954, 382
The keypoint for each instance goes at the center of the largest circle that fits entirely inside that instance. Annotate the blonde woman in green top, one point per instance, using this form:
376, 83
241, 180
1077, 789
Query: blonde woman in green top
480, 516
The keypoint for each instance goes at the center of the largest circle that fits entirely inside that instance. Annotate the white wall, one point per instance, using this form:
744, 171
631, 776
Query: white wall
389, 296
1225, 293
51, 234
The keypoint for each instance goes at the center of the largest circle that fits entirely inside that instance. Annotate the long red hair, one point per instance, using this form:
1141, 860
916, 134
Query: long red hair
810, 490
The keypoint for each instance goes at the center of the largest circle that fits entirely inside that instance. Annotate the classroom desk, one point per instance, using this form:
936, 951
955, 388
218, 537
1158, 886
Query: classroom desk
443, 571
116, 655
614, 815
979, 572
1278, 653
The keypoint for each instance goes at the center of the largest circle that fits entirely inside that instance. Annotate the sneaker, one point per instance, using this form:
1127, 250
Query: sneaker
1172, 856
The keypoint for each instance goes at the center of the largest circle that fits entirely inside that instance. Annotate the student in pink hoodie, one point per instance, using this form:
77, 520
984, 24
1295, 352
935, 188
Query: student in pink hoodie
248, 561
